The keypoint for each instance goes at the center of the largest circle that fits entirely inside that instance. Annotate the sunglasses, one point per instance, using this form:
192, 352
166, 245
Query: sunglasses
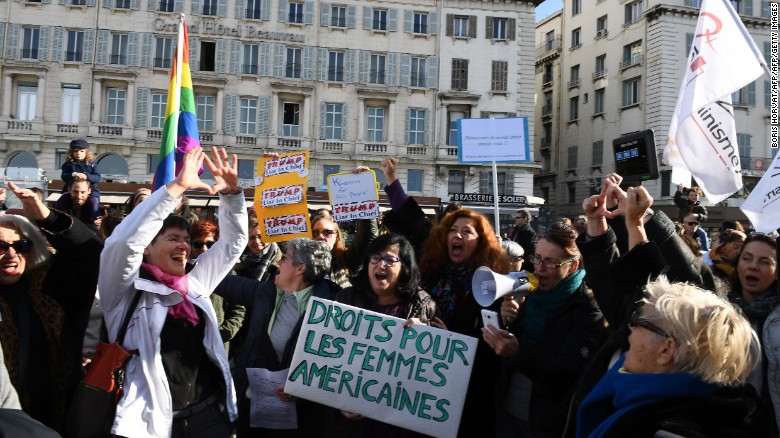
20, 246
200, 243
324, 233
637, 321
692, 223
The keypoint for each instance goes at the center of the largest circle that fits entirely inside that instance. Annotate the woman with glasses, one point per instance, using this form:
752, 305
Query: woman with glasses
551, 338
389, 283
346, 257
690, 353
45, 300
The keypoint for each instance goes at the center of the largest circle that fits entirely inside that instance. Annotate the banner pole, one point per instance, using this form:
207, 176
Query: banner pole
495, 200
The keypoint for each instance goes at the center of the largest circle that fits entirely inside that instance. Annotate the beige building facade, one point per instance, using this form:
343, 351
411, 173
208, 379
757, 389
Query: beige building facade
349, 82
615, 67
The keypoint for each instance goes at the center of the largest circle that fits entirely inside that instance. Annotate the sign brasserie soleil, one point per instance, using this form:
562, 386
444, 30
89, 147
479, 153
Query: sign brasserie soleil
480, 197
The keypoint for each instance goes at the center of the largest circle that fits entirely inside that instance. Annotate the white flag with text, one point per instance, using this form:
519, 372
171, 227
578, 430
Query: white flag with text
702, 136
762, 207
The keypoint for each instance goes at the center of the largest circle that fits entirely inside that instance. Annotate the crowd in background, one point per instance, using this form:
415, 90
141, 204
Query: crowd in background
639, 324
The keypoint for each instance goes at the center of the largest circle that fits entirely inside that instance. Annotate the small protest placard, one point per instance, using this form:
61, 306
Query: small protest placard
280, 197
354, 195
500, 140
368, 363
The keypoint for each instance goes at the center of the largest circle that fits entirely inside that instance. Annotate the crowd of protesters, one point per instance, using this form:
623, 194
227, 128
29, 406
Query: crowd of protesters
638, 326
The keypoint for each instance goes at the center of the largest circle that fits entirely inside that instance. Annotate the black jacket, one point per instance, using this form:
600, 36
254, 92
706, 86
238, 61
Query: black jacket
526, 237
571, 338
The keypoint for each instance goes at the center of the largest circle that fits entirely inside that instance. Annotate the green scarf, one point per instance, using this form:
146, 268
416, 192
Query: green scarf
540, 305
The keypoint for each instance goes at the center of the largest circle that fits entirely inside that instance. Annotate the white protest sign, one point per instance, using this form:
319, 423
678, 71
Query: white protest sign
354, 195
488, 140
368, 363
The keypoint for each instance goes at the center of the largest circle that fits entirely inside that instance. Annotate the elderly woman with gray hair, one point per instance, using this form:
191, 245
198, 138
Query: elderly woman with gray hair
45, 301
277, 308
683, 374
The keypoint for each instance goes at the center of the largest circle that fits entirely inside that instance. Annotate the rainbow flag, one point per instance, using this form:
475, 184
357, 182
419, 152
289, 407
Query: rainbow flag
180, 129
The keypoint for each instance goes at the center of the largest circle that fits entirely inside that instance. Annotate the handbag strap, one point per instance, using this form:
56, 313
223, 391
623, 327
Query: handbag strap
121, 335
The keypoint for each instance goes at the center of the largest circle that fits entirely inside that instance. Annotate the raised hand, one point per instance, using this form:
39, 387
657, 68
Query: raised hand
389, 165
32, 206
637, 203
225, 171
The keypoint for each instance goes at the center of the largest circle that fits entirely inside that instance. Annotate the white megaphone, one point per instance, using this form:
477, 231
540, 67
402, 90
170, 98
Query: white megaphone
487, 286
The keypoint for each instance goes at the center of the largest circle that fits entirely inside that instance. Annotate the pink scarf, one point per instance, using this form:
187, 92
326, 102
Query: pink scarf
183, 310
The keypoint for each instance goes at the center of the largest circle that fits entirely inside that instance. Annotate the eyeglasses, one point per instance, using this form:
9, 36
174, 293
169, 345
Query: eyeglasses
536, 259
200, 243
324, 233
388, 259
20, 246
637, 321
517, 259
255, 237
692, 223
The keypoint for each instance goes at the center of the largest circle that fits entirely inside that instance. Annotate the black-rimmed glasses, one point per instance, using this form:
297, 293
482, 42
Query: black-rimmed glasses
388, 259
637, 321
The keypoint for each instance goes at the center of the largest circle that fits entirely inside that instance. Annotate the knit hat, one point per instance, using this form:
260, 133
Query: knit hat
79, 143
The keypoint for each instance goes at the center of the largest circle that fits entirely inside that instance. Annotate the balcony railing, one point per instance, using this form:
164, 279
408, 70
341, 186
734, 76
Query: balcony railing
635, 59
206, 137
598, 74
67, 127
19, 125
154, 134
29, 53
375, 148
336, 74
73, 56
547, 79
246, 141
332, 146
546, 110
338, 22
377, 76
546, 143
574, 83
632, 20
110, 130
290, 143
548, 46
416, 150
601, 33
119, 59
293, 70
249, 69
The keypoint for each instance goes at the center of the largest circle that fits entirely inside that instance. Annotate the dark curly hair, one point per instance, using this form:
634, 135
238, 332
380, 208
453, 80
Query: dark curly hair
409, 279
488, 253
562, 234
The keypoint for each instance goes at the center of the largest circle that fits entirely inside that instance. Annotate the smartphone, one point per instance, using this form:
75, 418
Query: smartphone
490, 317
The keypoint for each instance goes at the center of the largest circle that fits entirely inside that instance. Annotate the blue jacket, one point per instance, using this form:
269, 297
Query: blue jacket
90, 169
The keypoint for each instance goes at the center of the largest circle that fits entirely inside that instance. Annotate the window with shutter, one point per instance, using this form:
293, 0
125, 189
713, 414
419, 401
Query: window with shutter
499, 76
460, 74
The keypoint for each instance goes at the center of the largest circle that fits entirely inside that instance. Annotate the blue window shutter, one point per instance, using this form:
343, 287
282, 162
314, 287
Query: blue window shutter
222, 52
408, 18
44, 42
748, 10
308, 63
323, 107
308, 12
392, 69
324, 14
322, 64
752, 93
239, 8
89, 42
392, 19
102, 46
365, 62
265, 10
132, 49
56, 52
344, 121
265, 59
231, 107
235, 57
433, 23
194, 53
196, 8
108, 4
12, 51
142, 108
222, 8
135, 5
349, 74
406, 69
283, 11
146, 56
263, 104
368, 17
433, 72
279, 65
351, 16
178, 6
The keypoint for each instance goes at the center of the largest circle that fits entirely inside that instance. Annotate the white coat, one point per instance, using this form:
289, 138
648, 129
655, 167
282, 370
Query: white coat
145, 410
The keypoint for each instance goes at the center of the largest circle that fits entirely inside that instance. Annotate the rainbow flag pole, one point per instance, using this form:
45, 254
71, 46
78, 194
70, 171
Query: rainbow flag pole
180, 129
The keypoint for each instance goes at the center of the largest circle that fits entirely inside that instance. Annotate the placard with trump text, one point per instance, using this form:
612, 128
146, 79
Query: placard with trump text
280, 197
368, 363
354, 196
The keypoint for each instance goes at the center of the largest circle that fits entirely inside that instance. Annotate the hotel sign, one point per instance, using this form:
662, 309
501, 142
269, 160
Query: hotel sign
213, 28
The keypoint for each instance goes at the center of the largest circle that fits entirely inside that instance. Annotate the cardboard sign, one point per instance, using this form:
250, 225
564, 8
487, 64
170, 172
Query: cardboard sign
354, 195
488, 140
280, 197
368, 363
